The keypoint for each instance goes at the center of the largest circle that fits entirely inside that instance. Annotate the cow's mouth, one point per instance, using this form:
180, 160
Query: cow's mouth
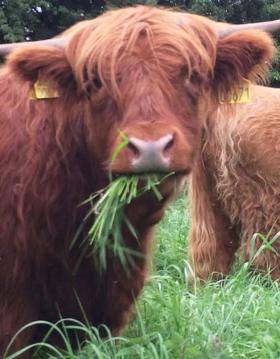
159, 174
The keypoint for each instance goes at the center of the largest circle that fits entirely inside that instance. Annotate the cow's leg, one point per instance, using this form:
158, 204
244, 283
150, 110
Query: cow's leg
212, 243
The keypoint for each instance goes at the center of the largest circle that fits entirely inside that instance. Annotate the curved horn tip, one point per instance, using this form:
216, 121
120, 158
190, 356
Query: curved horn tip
268, 26
6, 49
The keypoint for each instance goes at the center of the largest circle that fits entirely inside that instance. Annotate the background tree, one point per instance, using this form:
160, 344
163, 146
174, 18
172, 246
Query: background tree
39, 19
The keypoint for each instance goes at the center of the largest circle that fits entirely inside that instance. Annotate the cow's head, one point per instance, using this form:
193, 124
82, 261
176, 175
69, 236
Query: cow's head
147, 79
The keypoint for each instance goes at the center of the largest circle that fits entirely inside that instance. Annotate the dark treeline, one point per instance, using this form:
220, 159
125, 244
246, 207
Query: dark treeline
39, 19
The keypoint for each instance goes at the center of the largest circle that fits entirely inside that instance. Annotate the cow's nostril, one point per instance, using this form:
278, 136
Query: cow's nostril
169, 144
133, 148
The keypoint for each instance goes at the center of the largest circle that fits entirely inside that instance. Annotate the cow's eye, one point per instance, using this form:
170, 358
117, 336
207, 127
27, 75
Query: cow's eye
92, 81
93, 86
195, 78
97, 83
191, 78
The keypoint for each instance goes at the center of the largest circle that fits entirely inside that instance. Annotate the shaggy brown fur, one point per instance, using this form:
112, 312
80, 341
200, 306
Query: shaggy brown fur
141, 71
235, 188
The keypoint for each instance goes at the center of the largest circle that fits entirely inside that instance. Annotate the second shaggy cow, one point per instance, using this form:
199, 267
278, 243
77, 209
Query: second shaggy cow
235, 187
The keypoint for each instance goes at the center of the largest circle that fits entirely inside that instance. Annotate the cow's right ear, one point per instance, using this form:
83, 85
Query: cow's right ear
50, 62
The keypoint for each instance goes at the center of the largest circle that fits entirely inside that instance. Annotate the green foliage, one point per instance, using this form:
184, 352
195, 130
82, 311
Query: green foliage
122, 3
238, 317
108, 216
39, 19
231, 10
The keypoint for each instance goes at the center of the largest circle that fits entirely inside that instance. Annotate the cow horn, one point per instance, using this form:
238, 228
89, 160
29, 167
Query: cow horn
268, 26
5, 49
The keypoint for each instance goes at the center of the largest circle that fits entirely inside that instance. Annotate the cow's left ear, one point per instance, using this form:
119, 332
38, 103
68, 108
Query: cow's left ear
244, 54
50, 62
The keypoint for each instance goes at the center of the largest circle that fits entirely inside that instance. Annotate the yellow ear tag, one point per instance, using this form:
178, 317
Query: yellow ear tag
42, 90
244, 95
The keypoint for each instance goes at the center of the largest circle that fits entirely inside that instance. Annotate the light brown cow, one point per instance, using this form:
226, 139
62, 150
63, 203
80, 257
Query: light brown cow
235, 186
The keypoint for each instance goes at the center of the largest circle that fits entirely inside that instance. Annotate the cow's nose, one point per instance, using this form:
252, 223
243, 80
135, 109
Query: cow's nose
150, 156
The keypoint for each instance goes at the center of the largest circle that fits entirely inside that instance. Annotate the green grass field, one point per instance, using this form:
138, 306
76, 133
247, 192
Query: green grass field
236, 318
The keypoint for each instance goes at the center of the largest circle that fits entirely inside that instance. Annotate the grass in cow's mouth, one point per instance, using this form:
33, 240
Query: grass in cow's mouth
107, 212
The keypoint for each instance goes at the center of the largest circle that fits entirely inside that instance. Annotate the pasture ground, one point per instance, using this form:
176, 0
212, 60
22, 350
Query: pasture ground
236, 318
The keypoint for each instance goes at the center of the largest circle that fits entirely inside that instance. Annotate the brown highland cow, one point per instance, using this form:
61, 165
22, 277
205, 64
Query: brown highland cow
152, 74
